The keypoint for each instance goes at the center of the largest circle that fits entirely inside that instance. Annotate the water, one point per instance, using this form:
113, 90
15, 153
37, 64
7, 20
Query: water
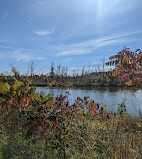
106, 96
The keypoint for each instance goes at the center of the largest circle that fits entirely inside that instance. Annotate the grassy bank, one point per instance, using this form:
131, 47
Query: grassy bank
36, 126
93, 139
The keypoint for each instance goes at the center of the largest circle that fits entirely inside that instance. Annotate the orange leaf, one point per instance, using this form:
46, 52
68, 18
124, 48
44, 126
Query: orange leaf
11, 101
129, 83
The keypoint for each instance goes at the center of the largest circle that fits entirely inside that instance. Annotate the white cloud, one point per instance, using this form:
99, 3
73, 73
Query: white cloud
72, 52
87, 47
18, 56
107, 40
44, 32
26, 57
15, 48
19, 53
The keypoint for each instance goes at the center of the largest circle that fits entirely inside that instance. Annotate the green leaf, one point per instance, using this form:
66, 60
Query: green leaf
19, 83
37, 97
4, 86
19, 93
15, 85
7, 85
46, 99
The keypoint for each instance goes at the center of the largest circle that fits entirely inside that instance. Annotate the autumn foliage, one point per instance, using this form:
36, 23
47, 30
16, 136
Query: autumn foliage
128, 66
31, 114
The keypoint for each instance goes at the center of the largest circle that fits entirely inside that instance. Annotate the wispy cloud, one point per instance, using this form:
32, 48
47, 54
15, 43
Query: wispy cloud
89, 46
107, 40
43, 32
73, 52
18, 56
19, 53
15, 48
25, 56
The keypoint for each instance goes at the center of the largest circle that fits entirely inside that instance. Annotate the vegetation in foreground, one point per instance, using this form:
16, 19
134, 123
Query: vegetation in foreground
36, 126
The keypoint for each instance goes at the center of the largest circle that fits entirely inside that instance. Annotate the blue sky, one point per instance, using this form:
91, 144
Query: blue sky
72, 33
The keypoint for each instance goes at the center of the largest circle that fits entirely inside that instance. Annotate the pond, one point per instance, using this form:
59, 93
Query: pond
105, 96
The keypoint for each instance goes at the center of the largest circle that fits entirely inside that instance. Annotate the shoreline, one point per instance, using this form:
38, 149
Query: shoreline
81, 86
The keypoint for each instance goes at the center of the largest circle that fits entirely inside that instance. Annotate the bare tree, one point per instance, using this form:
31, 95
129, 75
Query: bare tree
94, 68
73, 72
66, 71
28, 70
103, 62
32, 68
89, 68
83, 71
59, 69
63, 71
98, 67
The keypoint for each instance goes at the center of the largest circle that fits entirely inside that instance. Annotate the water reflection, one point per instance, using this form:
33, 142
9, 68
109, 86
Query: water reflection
107, 96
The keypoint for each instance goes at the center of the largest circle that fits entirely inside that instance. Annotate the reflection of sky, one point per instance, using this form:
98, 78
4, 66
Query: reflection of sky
111, 98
